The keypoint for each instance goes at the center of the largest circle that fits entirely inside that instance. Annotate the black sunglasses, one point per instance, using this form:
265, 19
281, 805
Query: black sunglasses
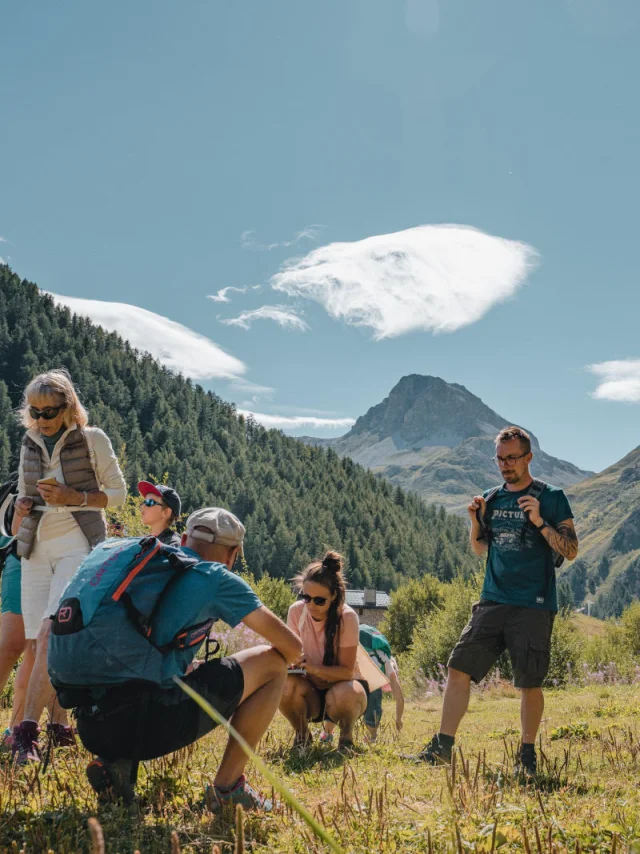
149, 502
317, 600
47, 414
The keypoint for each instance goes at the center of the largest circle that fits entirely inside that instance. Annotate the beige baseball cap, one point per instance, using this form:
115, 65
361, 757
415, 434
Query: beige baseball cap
224, 528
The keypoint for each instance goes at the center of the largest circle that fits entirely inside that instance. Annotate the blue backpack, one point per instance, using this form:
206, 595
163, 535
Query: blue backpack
101, 636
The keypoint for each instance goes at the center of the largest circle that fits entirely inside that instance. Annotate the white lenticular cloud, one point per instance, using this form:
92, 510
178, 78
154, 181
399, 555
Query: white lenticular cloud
295, 422
618, 380
437, 278
284, 316
176, 346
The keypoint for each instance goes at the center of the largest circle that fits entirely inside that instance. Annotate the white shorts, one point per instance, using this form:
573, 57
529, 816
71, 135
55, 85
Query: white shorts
46, 574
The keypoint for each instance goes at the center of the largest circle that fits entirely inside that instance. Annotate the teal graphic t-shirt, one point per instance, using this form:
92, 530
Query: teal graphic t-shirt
520, 571
376, 645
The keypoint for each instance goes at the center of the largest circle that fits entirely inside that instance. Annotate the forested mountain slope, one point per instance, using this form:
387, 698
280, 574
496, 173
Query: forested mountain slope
607, 511
294, 499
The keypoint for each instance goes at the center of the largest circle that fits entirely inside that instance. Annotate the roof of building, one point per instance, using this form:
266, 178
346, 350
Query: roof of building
355, 598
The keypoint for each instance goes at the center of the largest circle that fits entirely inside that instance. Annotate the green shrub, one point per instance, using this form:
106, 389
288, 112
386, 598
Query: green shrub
612, 647
630, 623
566, 651
437, 633
410, 605
275, 593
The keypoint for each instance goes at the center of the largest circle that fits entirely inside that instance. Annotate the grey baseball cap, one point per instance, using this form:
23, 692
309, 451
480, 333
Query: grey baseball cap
224, 528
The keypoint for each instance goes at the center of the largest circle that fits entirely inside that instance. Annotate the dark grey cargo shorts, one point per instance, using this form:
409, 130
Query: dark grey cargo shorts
493, 628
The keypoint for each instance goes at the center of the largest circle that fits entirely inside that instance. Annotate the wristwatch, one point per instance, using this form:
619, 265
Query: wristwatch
543, 526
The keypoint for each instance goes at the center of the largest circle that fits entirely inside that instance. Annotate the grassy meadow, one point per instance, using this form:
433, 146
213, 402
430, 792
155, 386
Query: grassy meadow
586, 797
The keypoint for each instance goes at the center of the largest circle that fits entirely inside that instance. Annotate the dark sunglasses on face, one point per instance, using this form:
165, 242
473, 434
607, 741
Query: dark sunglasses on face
47, 414
317, 600
150, 502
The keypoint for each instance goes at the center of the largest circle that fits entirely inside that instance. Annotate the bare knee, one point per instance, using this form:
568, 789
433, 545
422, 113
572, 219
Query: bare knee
346, 700
294, 693
458, 678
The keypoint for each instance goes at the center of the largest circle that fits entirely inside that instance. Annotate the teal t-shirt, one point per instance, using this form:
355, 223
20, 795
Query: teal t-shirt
521, 572
376, 645
207, 591
51, 441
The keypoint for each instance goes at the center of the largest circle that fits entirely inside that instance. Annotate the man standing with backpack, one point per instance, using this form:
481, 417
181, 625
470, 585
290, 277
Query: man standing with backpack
525, 529
131, 620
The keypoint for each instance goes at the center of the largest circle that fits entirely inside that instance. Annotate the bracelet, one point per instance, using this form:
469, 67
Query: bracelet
543, 526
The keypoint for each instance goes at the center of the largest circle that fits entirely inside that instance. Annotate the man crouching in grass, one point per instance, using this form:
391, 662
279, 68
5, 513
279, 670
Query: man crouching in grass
525, 529
245, 687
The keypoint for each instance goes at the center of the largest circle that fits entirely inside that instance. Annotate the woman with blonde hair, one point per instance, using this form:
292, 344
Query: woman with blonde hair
327, 684
68, 474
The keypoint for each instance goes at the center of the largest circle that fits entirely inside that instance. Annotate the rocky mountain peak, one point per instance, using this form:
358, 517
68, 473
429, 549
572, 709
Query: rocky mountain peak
426, 411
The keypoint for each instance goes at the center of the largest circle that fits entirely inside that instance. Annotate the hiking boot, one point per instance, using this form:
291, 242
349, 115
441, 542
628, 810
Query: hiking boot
326, 737
242, 793
527, 765
25, 748
61, 735
436, 752
111, 781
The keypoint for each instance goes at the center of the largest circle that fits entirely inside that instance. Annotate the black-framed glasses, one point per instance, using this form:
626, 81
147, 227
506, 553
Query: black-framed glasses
47, 414
510, 460
151, 502
317, 600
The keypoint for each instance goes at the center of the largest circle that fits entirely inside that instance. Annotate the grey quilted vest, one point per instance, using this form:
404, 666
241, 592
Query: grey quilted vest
78, 473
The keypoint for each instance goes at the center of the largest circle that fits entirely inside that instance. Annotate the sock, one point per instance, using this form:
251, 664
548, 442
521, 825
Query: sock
446, 740
226, 789
527, 748
27, 724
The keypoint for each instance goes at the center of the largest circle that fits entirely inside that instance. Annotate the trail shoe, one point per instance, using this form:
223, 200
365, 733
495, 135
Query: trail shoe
326, 737
437, 752
111, 781
25, 746
527, 765
61, 735
242, 793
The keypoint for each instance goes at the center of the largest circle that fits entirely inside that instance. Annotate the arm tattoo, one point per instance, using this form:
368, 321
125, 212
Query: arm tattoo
562, 539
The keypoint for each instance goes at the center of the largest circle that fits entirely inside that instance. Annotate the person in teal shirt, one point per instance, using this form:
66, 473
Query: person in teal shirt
12, 639
520, 535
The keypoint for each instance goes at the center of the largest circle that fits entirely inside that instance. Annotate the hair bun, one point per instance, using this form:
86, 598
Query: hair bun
332, 562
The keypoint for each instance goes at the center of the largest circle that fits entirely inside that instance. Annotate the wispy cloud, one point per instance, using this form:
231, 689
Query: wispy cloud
284, 316
295, 422
249, 241
251, 388
221, 295
176, 346
2, 261
433, 277
618, 380
3, 239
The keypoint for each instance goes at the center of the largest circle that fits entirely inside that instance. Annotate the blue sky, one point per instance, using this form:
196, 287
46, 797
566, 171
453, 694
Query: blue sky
154, 153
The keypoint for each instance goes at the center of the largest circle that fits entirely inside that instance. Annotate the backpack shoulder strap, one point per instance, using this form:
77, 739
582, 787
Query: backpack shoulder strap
537, 488
482, 518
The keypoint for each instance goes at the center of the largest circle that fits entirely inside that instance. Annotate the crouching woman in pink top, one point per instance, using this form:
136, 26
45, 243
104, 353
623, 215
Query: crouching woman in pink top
330, 687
